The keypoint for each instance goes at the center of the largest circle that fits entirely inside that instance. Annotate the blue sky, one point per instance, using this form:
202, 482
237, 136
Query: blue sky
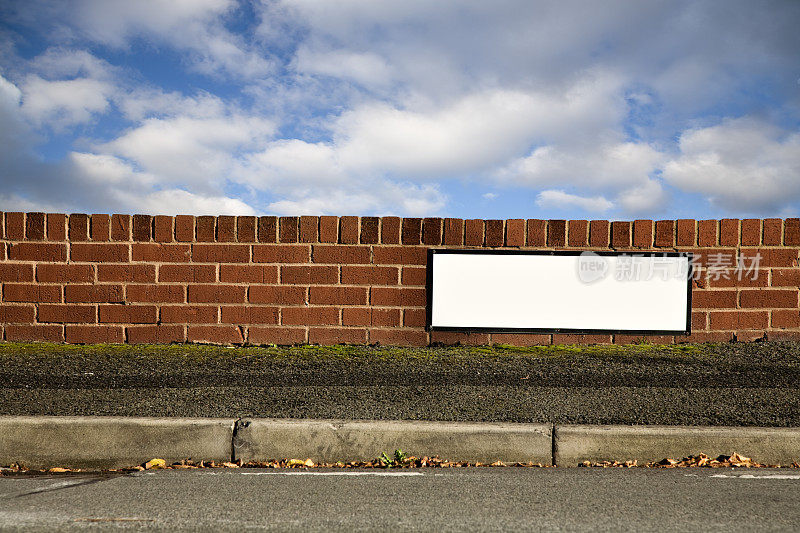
472, 109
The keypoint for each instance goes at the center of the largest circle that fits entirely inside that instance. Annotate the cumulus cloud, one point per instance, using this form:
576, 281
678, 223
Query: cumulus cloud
555, 199
742, 165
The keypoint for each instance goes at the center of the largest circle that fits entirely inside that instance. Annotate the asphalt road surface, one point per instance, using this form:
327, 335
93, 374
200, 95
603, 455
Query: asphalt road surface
457, 499
753, 384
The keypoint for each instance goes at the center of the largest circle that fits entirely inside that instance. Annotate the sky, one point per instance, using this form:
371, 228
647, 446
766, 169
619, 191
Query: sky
470, 108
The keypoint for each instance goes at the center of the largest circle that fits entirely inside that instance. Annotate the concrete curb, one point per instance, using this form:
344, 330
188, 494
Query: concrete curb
113, 442
574, 444
341, 440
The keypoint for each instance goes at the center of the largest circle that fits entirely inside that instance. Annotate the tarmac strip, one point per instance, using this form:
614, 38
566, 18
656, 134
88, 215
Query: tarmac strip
41, 442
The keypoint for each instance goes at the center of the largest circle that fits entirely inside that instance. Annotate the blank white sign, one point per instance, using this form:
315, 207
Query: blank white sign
559, 292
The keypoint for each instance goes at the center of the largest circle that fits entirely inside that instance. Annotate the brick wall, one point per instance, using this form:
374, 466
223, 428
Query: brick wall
261, 280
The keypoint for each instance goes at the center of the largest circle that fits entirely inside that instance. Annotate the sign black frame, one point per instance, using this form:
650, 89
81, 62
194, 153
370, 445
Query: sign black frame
429, 292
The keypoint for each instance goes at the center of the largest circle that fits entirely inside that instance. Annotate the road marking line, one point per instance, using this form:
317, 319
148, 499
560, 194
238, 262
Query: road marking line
379, 474
753, 476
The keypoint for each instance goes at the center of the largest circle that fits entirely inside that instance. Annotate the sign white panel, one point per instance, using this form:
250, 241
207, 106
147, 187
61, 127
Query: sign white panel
560, 291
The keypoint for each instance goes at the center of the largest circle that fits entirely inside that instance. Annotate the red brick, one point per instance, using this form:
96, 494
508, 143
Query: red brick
76, 314
791, 232
312, 274
773, 232
572, 338
64, 273
537, 232
288, 229
699, 320
385, 296
398, 337
41, 333
159, 334
94, 334
453, 232
769, 257
276, 335
56, 227
189, 314
556, 233
308, 228
521, 339
34, 226
217, 293
248, 315
414, 317
93, 293
665, 234
399, 255
100, 226
713, 299
620, 234
221, 253
99, 253
370, 233
365, 316
348, 230
432, 232
338, 295
707, 233
15, 226
751, 232
22, 314
473, 232
412, 231
729, 232
738, 278
135, 273
155, 293
685, 232
246, 229
785, 277
248, 273
309, 316
598, 233
414, 276
128, 314
226, 228
328, 336
730, 320
338, 254
456, 338
184, 228
120, 227
215, 334
161, 253
578, 232
716, 257
267, 229
142, 228
786, 318
369, 275
328, 229
390, 230
162, 228
195, 273
29, 251
78, 227
205, 230
643, 233
16, 272
280, 253
515, 232
766, 299
277, 295
28, 292
494, 233
783, 336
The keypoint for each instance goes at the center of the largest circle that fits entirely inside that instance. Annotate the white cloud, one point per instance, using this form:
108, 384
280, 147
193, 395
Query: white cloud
489, 196
742, 165
556, 199
63, 103
365, 68
648, 198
